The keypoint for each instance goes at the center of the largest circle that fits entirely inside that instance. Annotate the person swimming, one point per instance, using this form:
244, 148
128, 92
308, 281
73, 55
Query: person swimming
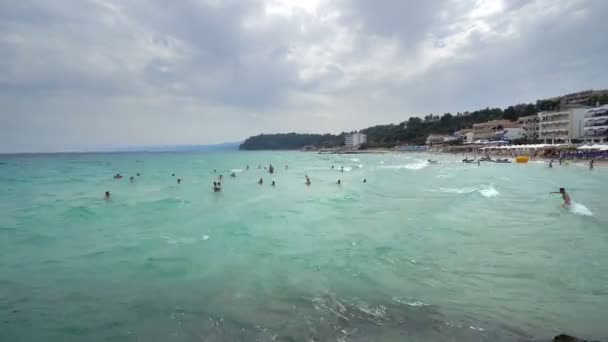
308, 181
179, 180
173, 175
364, 180
132, 179
273, 183
221, 177
117, 176
217, 186
565, 197
332, 167
339, 182
270, 169
107, 196
233, 175
341, 168
138, 174
261, 181
247, 168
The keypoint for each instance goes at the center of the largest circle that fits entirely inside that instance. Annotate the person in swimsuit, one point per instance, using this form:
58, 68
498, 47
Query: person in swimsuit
565, 197
591, 164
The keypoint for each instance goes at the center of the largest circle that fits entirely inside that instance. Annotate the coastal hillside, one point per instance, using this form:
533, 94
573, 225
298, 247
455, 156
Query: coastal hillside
291, 141
416, 129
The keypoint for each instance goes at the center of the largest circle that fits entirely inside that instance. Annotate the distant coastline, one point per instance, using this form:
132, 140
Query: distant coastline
415, 130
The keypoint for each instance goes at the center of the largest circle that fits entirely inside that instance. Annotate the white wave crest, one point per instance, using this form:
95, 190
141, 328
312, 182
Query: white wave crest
419, 165
458, 190
236, 170
355, 159
415, 303
489, 192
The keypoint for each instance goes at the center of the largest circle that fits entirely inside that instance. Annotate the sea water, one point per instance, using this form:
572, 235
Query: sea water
420, 252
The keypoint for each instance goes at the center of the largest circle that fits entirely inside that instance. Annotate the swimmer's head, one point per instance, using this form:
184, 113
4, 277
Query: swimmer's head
107, 194
179, 180
562, 190
214, 183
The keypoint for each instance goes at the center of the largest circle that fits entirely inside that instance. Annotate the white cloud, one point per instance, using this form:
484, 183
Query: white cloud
80, 75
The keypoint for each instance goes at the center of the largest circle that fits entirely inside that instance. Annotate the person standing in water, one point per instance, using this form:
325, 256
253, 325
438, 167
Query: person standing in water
591, 164
551, 164
247, 168
308, 181
107, 196
339, 182
341, 168
273, 183
261, 181
565, 197
179, 181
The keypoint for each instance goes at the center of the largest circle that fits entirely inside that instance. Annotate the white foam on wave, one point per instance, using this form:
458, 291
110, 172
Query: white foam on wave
579, 209
415, 303
489, 192
355, 159
419, 165
467, 190
360, 166
236, 170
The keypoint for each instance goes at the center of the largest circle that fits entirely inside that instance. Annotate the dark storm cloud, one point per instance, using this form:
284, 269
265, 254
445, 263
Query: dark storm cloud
197, 71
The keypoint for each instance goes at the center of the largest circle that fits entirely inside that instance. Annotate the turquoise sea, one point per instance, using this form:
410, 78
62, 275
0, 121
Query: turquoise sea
447, 252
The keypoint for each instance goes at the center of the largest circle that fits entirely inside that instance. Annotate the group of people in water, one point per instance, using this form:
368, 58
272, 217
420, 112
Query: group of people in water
217, 185
562, 162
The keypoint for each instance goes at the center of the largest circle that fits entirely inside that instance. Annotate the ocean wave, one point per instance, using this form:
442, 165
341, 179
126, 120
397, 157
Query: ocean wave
419, 165
579, 209
355, 159
236, 170
458, 190
415, 303
488, 191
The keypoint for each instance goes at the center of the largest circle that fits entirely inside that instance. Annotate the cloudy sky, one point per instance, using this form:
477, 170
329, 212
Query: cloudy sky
89, 74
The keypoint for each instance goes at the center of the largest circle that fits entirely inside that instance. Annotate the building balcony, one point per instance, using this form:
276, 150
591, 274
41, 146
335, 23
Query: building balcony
554, 122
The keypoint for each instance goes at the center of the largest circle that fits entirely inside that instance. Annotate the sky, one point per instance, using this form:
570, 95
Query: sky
81, 75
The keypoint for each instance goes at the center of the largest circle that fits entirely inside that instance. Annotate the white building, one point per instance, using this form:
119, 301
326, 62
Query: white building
439, 139
596, 124
561, 126
530, 125
512, 133
355, 139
